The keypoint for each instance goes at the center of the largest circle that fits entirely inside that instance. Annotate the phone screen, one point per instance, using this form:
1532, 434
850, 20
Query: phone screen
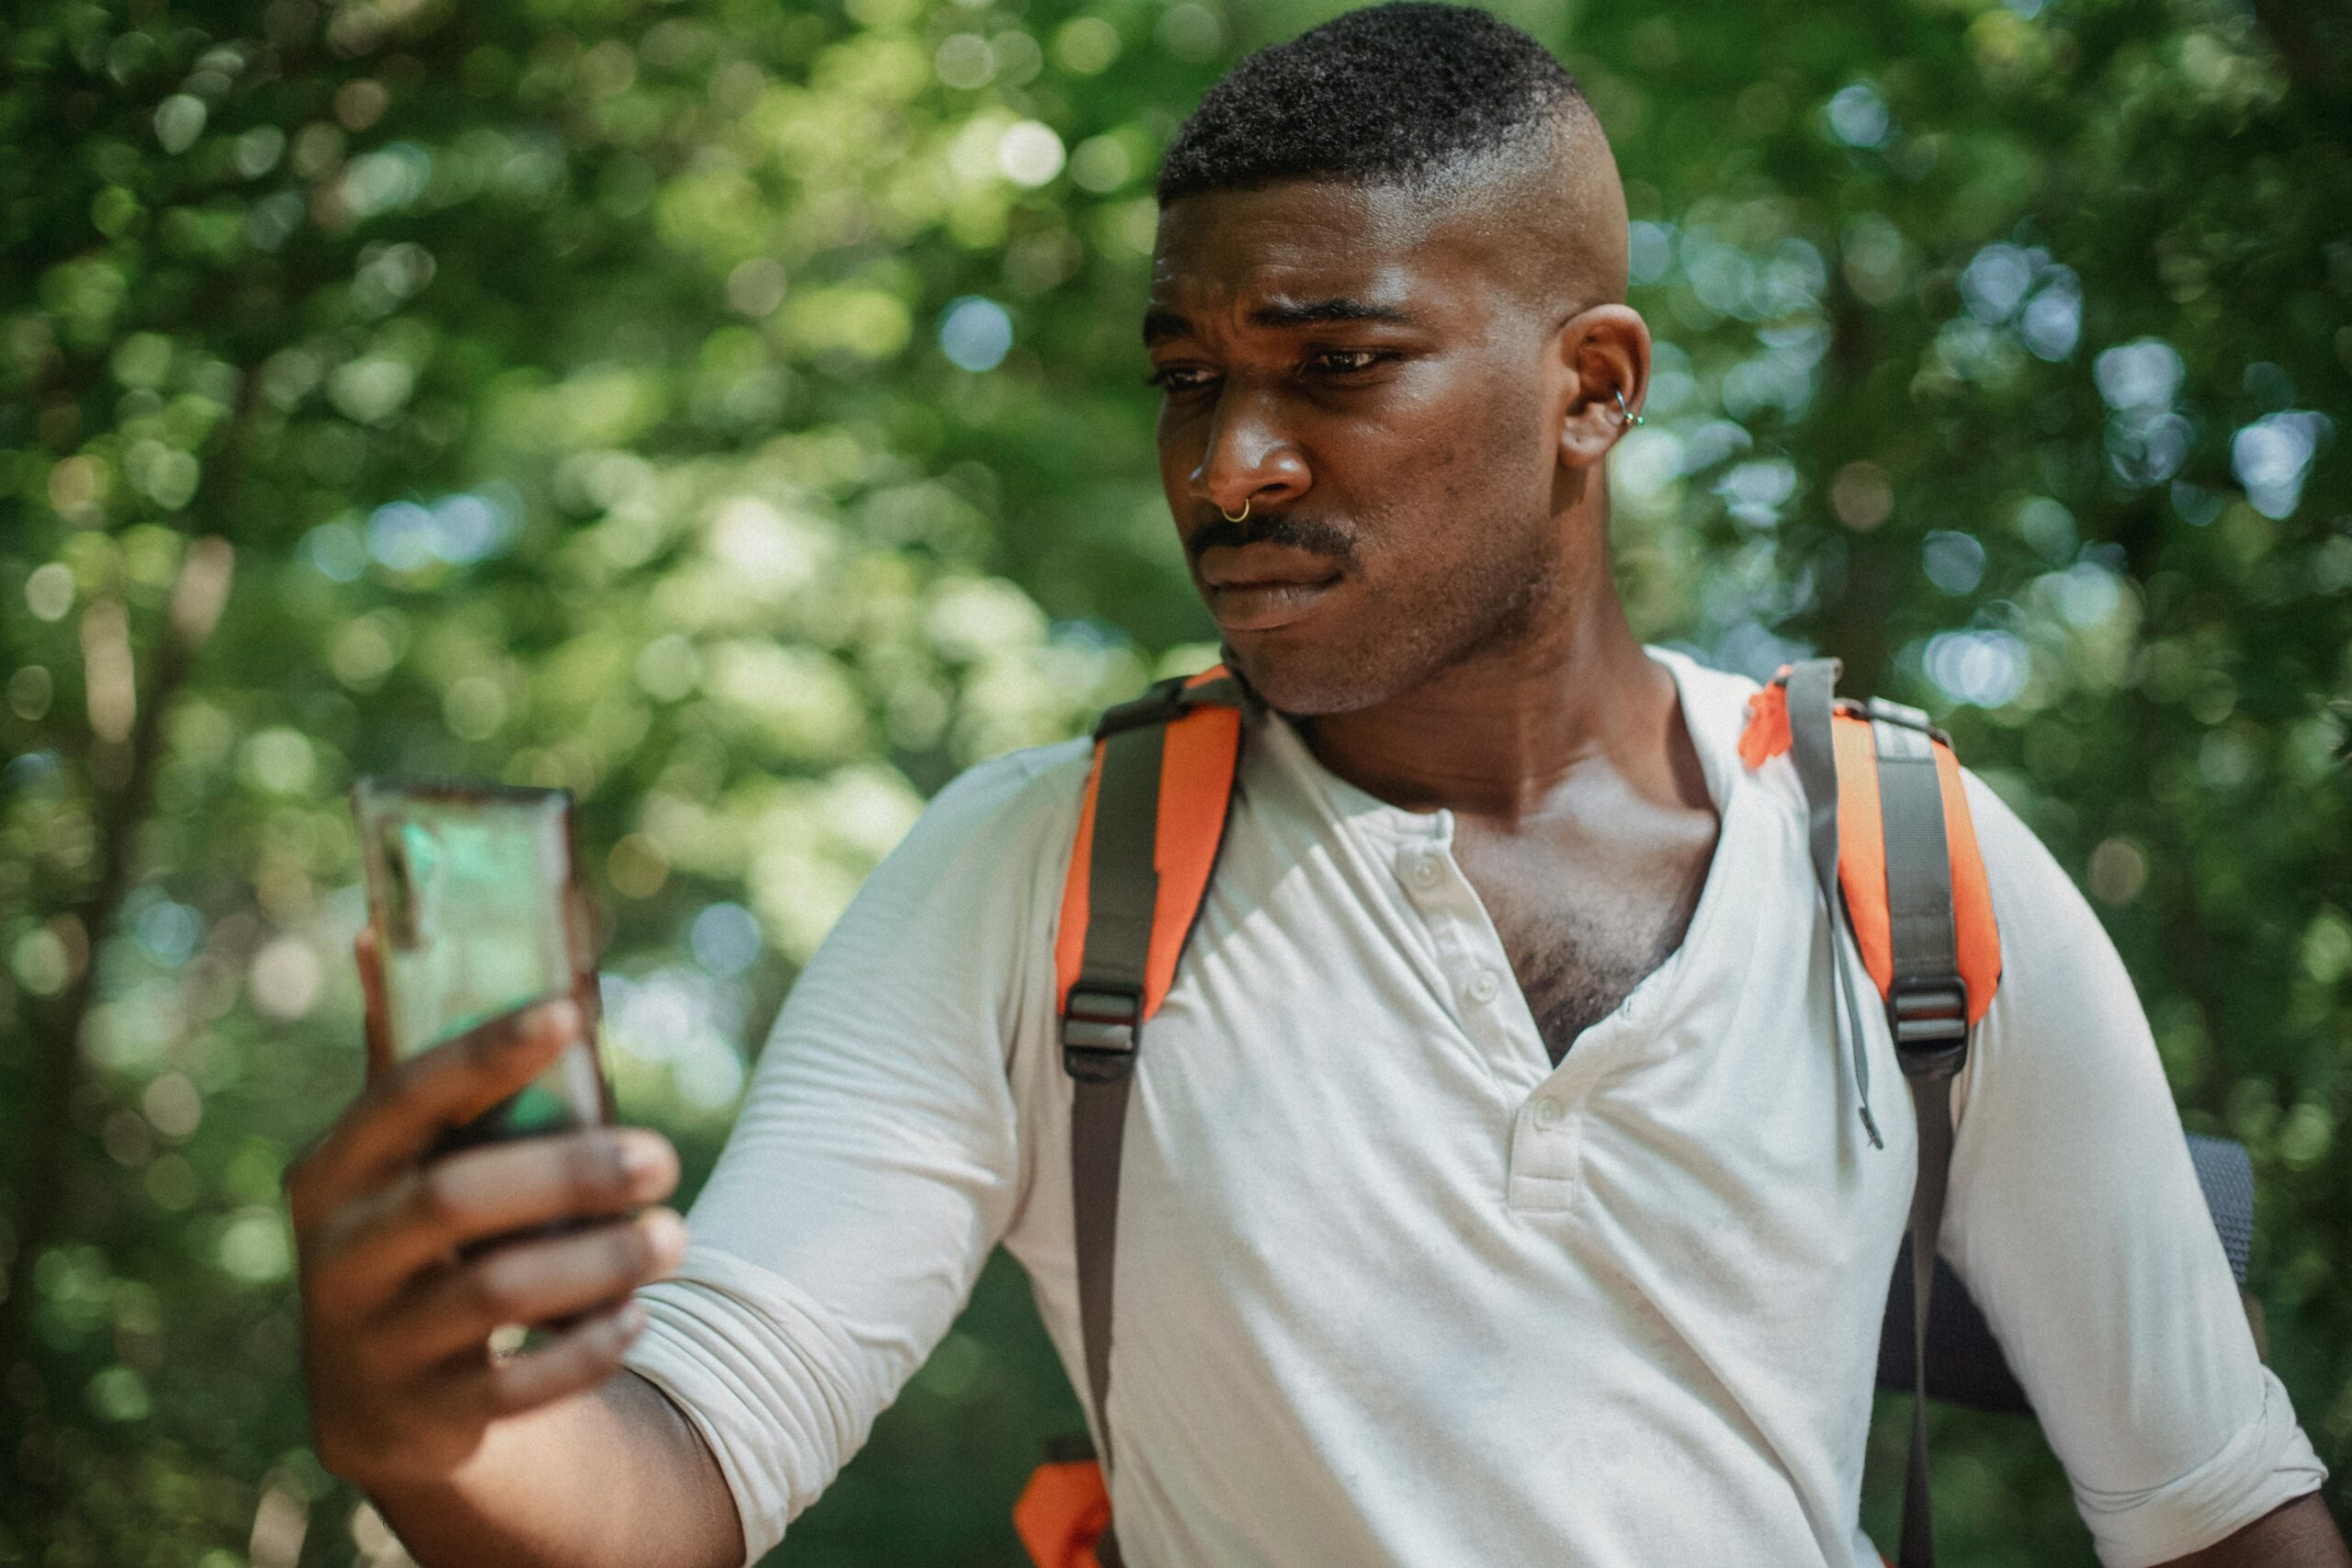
477, 912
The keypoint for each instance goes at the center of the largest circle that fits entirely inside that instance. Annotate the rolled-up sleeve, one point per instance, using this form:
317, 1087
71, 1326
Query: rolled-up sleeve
768, 1378
876, 1158
2077, 1220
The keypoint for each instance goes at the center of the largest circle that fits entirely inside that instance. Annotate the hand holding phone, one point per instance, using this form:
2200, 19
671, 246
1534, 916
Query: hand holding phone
400, 1291
415, 1248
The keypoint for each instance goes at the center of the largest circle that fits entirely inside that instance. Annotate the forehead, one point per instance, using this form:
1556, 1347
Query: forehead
1301, 243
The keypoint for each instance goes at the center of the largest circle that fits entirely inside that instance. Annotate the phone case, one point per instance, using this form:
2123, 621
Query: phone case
477, 910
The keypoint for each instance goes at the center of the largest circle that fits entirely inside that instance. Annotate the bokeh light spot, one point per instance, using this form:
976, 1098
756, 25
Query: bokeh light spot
726, 938
1030, 154
975, 333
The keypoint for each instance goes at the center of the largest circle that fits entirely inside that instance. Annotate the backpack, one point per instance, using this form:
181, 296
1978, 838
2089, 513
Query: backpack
1894, 859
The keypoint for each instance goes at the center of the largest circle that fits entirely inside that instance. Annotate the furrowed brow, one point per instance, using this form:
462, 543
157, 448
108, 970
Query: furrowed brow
1160, 324
1321, 313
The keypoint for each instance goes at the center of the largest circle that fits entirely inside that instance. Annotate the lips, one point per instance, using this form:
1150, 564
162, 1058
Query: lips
1258, 587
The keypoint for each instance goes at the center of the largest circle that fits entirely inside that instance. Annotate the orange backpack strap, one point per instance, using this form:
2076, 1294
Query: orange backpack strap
1888, 818
1148, 829
1886, 808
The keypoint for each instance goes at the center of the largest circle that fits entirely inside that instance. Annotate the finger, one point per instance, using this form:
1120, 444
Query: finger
376, 1012
576, 1361
396, 1119
533, 1283
379, 1243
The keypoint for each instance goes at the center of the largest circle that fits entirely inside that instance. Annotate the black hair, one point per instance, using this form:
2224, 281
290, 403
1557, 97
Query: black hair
1392, 94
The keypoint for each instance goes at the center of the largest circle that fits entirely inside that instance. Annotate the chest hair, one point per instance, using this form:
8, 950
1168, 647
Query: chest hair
1579, 944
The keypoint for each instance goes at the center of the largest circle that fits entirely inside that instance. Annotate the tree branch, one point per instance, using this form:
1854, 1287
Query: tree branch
122, 767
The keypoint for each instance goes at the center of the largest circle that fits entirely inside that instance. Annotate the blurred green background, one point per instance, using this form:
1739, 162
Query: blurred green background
731, 411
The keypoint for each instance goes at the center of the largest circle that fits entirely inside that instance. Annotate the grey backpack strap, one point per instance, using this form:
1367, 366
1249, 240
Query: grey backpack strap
1100, 1028
1927, 1014
1101, 1018
1928, 1007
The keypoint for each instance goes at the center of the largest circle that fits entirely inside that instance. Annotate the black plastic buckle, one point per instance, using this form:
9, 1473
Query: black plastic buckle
1929, 1016
1161, 701
1099, 1029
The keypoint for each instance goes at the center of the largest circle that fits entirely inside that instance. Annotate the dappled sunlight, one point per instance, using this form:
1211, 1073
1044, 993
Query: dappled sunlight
733, 415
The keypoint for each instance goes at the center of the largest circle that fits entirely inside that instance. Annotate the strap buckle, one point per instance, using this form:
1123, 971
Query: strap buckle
1928, 1017
1172, 698
1901, 715
1161, 701
1099, 1027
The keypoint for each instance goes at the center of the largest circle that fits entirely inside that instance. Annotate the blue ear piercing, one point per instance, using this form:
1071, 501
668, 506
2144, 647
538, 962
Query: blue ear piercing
1626, 414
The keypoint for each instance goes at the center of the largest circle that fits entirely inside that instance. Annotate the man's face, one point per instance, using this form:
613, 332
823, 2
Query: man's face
1344, 361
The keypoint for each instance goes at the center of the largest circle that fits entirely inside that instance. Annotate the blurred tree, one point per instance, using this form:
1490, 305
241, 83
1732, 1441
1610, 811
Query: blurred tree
732, 412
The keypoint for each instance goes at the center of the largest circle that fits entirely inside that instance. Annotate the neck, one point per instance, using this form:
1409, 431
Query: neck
1508, 734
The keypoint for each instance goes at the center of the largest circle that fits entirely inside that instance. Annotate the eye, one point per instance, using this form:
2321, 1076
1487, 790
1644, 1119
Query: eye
1175, 378
1347, 361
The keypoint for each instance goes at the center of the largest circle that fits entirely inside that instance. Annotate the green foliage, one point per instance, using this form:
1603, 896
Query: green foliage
586, 391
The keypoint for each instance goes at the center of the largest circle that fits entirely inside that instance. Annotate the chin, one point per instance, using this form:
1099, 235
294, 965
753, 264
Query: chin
1311, 679
1352, 662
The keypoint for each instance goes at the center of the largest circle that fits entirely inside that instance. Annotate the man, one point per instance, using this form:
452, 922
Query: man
1418, 1265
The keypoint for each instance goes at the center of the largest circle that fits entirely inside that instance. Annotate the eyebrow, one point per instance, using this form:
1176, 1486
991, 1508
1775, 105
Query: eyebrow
1160, 323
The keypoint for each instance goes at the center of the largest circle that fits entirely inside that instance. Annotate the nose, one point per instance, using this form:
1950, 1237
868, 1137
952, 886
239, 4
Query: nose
1248, 461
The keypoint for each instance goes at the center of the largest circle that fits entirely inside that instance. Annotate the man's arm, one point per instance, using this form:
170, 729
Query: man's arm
2077, 1221
873, 1165
2295, 1535
877, 1156
617, 1478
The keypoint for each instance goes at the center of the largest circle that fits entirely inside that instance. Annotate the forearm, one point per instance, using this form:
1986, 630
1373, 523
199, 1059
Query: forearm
2296, 1535
614, 1478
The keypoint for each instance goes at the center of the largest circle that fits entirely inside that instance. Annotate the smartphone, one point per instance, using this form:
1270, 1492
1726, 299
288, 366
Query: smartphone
479, 909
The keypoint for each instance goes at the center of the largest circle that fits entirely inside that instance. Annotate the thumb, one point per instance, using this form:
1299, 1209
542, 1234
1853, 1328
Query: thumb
379, 1012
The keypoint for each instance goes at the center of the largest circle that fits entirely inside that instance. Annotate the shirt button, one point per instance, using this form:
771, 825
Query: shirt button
1485, 986
1548, 1113
1424, 871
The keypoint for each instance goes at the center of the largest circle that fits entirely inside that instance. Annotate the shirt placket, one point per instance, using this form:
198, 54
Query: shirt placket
1546, 1104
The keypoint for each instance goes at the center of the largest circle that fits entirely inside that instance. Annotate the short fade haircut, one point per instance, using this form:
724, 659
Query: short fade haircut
1390, 95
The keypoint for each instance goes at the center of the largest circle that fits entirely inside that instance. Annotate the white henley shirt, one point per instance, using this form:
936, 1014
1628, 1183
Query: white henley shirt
1392, 1287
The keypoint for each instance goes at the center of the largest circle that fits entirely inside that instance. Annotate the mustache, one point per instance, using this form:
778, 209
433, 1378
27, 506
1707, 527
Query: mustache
1282, 529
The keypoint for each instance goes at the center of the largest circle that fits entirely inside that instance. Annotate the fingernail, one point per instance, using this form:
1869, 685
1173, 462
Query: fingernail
643, 1157
558, 1016
629, 1322
666, 1232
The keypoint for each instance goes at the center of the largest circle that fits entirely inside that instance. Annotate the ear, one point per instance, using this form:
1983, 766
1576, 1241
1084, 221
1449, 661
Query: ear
1602, 354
